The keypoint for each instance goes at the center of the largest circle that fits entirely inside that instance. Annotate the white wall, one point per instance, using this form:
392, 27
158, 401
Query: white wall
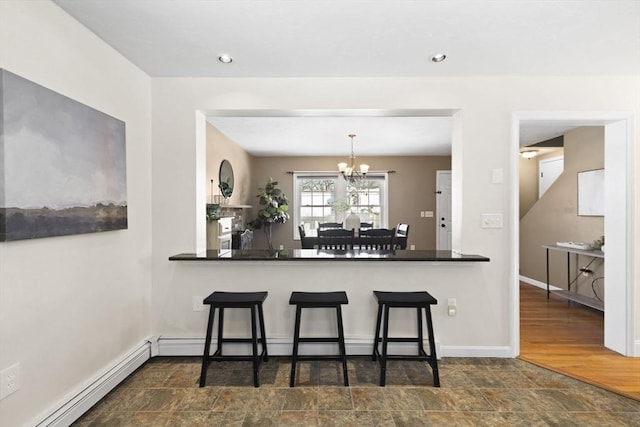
483, 144
72, 306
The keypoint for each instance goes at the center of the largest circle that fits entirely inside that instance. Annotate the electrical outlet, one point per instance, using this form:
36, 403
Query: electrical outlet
412, 247
197, 303
428, 214
9, 380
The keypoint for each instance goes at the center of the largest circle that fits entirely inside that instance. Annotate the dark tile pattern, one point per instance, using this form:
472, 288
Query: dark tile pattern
474, 392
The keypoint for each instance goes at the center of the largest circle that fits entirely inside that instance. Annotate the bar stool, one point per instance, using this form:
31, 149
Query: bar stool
222, 300
419, 300
318, 300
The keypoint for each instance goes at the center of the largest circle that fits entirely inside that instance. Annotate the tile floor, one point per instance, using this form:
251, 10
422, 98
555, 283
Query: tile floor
474, 392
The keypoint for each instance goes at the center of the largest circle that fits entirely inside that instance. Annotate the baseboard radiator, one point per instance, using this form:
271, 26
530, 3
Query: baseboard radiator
76, 405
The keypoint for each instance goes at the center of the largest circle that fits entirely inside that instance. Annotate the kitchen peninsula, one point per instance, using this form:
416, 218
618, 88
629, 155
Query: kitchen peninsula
444, 274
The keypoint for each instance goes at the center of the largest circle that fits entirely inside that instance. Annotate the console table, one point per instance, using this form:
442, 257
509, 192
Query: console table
567, 294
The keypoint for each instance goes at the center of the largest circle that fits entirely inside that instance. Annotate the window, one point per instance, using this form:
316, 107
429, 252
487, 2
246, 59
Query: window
329, 198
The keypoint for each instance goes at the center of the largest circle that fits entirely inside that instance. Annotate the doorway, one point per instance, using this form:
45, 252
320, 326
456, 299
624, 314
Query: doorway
550, 170
443, 210
619, 329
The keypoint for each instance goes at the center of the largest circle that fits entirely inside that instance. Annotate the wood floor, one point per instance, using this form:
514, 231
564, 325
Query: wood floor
570, 339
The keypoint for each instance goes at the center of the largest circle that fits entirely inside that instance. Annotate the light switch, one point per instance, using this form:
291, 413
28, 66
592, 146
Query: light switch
497, 176
492, 220
428, 214
421, 214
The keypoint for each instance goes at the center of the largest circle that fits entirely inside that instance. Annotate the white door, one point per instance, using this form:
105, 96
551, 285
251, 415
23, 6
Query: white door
550, 170
443, 210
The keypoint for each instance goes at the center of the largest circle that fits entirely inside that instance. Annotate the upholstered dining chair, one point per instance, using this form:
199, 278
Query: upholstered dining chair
377, 238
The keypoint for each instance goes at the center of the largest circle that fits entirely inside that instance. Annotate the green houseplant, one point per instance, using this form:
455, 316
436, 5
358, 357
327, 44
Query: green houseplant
275, 209
225, 188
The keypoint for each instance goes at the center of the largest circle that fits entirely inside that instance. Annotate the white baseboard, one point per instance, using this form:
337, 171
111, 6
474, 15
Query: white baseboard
636, 352
479, 351
169, 346
74, 406
538, 283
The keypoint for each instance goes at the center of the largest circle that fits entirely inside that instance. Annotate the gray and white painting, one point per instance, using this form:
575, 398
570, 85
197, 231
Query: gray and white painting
62, 164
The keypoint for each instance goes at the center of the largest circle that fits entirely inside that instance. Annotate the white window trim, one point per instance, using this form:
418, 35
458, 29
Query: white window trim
297, 200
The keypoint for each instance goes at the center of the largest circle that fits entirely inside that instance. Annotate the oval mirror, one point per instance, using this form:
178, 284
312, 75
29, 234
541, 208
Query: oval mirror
225, 177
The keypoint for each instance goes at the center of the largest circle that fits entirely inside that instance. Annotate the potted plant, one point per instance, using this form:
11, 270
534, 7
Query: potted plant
225, 188
275, 209
213, 211
340, 208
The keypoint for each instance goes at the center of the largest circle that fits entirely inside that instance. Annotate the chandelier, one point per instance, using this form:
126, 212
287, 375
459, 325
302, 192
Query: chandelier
349, 171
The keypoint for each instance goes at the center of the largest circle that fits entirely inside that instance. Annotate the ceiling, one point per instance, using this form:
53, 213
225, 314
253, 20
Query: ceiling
365, 38
328, 135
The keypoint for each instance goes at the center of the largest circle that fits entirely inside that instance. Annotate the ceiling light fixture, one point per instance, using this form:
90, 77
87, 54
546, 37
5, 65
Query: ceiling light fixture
438, 57
529, 154
349, 171
225, 58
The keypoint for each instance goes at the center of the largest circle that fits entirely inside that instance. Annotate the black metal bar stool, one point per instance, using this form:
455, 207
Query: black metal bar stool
318, 300
222, 300
420, 301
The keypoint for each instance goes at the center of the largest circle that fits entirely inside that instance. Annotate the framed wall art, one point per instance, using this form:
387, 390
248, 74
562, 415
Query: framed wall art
591, 193
62, 164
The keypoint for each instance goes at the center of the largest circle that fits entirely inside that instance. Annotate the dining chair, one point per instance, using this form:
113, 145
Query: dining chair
246, 239
366, 225
377, 238
336, 239
305, 242
402, 235
329, 225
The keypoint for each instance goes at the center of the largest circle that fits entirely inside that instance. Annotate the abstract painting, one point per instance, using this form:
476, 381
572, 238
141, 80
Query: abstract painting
62, 164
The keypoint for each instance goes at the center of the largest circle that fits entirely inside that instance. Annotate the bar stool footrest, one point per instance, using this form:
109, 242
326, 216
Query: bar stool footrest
318, 357
231, 358
318, 340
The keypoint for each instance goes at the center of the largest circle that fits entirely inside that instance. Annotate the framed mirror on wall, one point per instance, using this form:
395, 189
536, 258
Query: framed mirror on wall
225, 179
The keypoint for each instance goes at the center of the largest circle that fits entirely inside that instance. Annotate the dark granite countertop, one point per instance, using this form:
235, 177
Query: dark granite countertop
327, 255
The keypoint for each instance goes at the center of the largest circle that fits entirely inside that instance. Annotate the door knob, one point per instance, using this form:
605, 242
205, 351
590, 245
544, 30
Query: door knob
443, 226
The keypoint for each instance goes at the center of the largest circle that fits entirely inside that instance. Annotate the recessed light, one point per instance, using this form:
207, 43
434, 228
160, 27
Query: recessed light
438, 57
225, 58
